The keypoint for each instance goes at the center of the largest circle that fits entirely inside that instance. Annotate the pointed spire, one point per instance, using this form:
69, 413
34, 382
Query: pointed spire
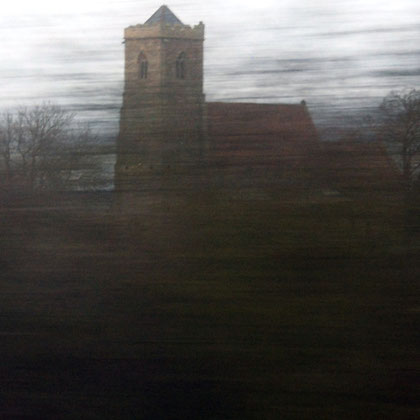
163, 15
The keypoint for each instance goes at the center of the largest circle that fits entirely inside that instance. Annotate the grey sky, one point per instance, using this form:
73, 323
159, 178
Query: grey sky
340, 56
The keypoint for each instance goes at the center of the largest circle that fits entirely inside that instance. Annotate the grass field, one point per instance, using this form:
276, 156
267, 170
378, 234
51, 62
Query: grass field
295, 306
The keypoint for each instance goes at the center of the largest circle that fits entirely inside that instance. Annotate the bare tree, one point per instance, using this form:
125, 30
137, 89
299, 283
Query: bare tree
7, 136
40, 146
400, 129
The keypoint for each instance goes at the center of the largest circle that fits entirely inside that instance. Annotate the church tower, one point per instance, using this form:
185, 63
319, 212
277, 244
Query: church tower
162, 116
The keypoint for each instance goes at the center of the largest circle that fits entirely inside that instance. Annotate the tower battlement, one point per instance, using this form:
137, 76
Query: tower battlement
165, 30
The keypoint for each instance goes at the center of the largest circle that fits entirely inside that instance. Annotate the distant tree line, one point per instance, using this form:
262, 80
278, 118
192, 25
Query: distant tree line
39, 147
399, 128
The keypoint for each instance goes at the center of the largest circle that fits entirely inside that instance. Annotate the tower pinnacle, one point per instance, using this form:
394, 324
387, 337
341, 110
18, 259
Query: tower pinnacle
163, 15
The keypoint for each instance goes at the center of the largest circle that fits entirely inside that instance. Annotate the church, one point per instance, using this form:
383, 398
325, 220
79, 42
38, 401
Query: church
170, 137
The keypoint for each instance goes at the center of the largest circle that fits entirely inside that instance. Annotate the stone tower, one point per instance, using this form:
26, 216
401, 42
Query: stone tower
162, 116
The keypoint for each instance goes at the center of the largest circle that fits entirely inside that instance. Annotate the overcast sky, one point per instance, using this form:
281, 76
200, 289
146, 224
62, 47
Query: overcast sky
341, 56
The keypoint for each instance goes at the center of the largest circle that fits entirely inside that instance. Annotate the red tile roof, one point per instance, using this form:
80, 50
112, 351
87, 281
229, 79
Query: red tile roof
259, 143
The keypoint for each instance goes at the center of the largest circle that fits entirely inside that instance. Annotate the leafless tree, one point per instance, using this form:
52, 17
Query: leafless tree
40, 146
400, 129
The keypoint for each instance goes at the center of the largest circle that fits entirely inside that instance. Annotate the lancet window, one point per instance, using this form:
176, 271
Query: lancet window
143, 66
180, 66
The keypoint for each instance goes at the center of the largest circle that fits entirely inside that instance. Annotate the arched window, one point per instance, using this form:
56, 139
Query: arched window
180, 66
143, 66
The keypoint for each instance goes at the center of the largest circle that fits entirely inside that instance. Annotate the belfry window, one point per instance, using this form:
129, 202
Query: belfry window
180, 66
143, 66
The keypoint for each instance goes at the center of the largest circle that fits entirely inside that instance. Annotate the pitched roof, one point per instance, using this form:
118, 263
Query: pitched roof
291, 122
163, 15
265, 137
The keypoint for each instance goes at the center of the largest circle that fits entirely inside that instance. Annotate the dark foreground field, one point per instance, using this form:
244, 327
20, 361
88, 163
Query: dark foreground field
207, 307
